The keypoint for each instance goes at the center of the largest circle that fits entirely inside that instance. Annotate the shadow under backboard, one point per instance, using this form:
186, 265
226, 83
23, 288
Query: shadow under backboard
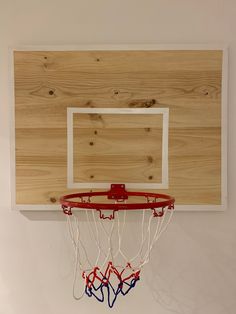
43, 215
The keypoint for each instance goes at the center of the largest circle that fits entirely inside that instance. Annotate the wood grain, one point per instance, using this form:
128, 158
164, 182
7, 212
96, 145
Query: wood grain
187, 82
117, 121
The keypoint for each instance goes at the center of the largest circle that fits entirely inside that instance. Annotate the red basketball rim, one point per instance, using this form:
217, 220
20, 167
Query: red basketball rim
119, 195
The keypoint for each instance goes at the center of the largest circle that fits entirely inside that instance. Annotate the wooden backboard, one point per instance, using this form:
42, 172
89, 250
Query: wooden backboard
154, 119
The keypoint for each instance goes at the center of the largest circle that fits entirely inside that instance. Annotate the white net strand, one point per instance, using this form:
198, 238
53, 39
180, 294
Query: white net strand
142, 237
120, 236
78, 262
103, 240
100, 249
170, 211
93, 236
89, 264
159, 222
71, 234
109, 237
160, 228
75, 241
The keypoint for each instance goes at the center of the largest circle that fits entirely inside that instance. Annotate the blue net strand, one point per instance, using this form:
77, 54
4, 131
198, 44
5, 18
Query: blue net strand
98, 292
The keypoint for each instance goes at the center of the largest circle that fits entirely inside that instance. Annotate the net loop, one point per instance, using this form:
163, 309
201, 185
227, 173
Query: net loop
67, 210
158, 213
103, 215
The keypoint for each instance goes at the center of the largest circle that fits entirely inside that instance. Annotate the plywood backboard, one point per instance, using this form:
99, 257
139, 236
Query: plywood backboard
149, 118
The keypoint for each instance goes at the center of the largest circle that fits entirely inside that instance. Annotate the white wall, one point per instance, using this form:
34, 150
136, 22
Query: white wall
195, 270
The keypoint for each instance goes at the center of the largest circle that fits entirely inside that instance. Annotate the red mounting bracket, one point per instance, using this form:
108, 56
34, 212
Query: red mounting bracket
117, 192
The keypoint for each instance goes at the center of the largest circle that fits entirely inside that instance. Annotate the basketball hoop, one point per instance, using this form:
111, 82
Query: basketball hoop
106, 268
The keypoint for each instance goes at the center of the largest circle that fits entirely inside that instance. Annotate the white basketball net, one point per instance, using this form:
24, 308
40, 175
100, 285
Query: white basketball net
109, 254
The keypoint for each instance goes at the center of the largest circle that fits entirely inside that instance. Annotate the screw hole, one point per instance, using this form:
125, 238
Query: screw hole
51, 92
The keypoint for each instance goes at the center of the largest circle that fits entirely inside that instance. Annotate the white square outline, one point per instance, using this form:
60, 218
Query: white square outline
100, 185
